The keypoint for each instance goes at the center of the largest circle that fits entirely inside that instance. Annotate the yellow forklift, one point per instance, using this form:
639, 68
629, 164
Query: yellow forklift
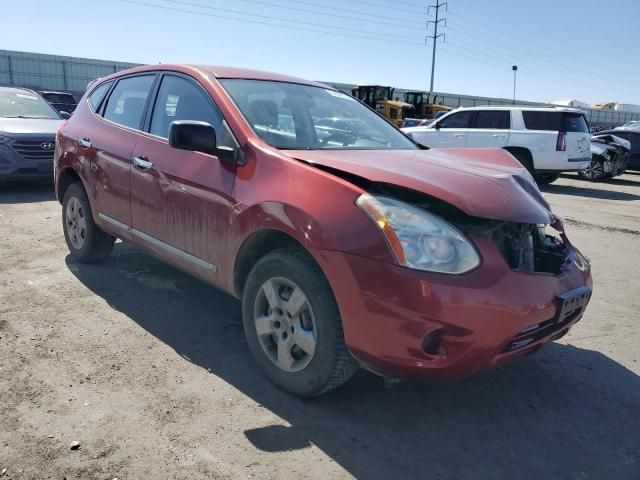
381, 100
424, 108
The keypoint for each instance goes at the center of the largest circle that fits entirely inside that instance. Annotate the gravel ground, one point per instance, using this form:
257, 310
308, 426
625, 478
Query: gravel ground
148, 370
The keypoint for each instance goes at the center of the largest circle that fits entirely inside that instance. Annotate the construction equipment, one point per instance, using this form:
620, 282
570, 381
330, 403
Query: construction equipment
423, 107
381, 100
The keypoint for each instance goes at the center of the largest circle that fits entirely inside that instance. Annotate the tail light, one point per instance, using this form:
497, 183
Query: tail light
561, 143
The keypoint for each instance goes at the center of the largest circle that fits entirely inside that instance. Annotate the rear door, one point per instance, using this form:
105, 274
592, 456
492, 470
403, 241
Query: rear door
108, 143
578, 138
490, 128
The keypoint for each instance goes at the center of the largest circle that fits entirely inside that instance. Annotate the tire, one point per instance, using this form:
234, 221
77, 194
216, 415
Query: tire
594, 172
87, 243
272, 291
546, 178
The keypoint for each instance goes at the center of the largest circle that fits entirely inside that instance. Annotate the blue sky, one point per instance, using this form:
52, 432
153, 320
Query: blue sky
581, 49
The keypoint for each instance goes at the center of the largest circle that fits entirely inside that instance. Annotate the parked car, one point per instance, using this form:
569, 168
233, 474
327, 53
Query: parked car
27, 135
609, 158
546, 140
415, 122
63, 102
633, 137
364, 250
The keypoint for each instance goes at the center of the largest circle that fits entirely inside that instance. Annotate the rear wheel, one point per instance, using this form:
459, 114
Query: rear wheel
594, 172
525, 159
546, 178
293, 326
85, 240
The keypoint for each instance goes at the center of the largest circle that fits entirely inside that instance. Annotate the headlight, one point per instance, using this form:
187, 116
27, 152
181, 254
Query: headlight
418, 239
4, 139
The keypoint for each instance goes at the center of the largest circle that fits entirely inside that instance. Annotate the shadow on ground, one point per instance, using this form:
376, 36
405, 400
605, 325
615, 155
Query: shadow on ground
563, 413
599, 192
26, 192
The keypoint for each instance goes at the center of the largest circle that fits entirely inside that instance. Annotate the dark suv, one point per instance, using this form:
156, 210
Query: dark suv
348, 244
27, 135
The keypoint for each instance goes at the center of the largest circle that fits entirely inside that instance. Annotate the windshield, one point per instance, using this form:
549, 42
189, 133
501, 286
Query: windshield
301, 117
25, 105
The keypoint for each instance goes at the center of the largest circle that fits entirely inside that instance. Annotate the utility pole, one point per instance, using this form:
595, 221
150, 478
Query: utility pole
435, 35
515, 69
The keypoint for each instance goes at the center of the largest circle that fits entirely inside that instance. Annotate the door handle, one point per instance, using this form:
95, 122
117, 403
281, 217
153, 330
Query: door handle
459, 134
497, 135
85, 143
142, 163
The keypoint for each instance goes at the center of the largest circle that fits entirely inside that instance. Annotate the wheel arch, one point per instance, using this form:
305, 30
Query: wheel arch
65, 178
522, 152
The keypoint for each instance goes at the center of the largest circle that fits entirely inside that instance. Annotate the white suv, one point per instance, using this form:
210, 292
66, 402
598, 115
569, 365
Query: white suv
546, 140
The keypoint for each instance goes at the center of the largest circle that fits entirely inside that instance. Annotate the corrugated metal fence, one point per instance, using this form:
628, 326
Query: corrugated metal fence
72, 74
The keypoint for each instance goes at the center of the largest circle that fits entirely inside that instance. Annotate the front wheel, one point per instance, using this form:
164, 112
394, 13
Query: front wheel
594, 172
85, 240
293, 326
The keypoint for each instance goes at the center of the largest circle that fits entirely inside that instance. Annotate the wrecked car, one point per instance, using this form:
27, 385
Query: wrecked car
609, 157
348, 247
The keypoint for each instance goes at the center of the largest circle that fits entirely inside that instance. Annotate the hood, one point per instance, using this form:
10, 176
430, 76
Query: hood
487, 183
32, 126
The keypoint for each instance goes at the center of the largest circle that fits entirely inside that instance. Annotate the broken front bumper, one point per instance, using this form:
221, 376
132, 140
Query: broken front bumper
406, 323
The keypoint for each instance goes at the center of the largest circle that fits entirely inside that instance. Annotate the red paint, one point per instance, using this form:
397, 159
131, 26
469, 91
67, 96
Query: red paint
209, 208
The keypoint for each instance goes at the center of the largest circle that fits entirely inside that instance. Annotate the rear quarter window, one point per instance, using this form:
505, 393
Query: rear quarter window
555, 121
98, 94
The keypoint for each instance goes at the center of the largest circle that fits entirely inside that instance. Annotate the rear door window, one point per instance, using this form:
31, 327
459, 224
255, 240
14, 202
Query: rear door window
125, 105
457, 120
492, 119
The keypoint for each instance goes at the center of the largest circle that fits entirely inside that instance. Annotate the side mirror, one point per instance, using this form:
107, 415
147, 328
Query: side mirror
65, 115
436, 125
198, 137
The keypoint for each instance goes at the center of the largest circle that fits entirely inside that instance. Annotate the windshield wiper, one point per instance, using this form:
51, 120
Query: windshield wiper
21, 116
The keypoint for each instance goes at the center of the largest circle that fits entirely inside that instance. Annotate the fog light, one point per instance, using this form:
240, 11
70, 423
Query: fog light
432, 343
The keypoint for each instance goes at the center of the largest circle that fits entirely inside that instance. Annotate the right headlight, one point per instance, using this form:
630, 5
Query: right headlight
4, 139
419, 239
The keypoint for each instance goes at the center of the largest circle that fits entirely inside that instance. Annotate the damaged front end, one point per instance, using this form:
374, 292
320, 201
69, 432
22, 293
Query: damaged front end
609, 157
525, 247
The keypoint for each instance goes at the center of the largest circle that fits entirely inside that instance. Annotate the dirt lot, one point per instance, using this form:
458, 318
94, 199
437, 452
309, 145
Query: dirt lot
148, 369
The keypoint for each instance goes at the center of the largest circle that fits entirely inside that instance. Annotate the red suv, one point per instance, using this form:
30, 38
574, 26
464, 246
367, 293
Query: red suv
348, 244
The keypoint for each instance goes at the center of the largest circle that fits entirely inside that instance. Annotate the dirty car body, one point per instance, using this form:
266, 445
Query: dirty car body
441, 263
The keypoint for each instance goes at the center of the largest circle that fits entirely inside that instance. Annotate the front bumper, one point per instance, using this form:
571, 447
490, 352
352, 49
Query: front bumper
405, 323
14, 166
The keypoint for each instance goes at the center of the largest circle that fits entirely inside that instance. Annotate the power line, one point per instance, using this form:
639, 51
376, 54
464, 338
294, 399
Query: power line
413, 12
395, 1
258, 22
280, 19
556, 65
569, 60
334, 15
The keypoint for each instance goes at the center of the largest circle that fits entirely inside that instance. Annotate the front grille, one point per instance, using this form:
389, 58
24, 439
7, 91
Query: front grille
33, 149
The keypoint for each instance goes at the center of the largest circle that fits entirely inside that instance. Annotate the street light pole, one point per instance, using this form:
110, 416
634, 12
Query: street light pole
515, 69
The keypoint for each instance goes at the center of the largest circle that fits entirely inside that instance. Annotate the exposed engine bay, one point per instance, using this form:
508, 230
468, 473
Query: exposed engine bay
525, 247
609, 157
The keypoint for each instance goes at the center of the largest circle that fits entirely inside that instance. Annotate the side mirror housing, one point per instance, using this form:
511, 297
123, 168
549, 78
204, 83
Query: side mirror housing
65, 115
198, 137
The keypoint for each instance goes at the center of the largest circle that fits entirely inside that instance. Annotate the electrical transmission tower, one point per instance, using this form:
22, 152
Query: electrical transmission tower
435, 35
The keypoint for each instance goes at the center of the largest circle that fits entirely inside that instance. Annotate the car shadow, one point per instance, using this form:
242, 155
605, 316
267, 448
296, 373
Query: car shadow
599, 193
26, 192
566, 412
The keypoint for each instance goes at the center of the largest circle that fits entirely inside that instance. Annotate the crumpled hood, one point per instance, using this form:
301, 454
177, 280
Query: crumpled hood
482, 182
35, 126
